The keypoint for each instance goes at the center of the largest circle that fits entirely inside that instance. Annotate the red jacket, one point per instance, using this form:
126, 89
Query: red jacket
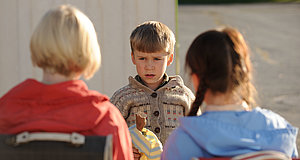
64, 107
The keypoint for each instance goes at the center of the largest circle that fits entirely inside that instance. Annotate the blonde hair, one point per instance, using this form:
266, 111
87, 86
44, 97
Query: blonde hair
65, 42
151, 37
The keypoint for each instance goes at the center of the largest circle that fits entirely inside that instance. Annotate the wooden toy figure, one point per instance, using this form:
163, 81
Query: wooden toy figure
145, 140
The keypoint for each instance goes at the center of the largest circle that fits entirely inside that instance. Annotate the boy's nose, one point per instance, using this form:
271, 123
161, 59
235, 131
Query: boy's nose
149, 65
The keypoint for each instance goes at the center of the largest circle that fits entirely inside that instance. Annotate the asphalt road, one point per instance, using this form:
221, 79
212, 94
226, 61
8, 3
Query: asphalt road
272, 32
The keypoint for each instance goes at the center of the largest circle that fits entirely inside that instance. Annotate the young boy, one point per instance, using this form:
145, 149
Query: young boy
164, 99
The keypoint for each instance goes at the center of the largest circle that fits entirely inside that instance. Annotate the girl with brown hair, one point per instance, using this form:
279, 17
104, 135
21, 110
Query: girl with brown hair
230, 124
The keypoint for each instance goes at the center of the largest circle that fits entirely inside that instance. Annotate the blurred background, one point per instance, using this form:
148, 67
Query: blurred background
271, 28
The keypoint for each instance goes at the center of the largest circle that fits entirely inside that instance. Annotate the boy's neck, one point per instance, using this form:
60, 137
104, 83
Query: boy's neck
164, 81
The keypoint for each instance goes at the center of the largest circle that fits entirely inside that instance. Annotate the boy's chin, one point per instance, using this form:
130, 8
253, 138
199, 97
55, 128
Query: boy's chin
150, 81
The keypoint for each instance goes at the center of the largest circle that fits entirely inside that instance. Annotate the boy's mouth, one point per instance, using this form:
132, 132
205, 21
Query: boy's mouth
149, 75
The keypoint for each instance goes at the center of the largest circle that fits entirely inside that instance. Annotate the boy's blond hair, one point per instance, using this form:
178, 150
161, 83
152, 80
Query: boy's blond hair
65, 42
151, 37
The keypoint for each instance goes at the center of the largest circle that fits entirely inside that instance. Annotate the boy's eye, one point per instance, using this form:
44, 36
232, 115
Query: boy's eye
141, 58
157, 59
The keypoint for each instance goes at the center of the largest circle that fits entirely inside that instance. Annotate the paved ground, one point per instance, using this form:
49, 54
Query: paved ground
272, 31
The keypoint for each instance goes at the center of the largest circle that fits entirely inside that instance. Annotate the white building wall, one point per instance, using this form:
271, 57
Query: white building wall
113, 20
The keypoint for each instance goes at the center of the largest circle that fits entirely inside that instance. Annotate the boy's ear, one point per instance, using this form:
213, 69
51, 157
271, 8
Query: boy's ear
132, 58
170, 59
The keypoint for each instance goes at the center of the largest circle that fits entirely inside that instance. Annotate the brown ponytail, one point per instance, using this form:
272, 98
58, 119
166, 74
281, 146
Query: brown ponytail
221, 60
199, 99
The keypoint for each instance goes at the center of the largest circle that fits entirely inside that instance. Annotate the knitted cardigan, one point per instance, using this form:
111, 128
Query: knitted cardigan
163, 106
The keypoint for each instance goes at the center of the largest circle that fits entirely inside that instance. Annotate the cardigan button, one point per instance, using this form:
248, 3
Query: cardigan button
154, 95
156, 113
157, 130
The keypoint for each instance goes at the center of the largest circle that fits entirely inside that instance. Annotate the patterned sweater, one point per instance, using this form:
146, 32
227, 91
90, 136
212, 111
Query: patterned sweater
163, 106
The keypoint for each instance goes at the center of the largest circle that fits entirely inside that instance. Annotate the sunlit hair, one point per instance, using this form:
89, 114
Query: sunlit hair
65, 42
221, 60
152, 37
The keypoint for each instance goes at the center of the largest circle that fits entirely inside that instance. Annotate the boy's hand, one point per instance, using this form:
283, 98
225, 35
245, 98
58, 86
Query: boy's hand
136, 154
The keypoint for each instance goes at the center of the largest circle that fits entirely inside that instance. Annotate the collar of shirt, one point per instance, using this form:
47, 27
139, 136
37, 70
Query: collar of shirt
166, 79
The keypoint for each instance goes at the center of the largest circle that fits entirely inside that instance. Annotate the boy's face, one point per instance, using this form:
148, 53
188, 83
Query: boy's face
151, 66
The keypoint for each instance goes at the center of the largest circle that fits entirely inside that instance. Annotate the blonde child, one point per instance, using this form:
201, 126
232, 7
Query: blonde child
161, 97
230, 123
65, 46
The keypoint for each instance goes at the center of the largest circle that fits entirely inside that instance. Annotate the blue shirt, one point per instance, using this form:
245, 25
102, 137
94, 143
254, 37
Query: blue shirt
230, 133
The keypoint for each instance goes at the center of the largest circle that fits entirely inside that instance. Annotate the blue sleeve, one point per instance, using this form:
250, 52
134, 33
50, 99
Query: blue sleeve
295, 152
180, 146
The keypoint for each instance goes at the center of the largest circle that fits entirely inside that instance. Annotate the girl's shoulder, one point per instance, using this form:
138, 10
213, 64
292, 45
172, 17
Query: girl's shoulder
271, 118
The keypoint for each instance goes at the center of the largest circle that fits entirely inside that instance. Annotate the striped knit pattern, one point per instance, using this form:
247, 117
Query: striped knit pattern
146, 142
163, 108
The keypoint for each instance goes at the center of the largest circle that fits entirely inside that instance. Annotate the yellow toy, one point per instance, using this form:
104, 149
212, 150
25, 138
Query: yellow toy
145, 140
